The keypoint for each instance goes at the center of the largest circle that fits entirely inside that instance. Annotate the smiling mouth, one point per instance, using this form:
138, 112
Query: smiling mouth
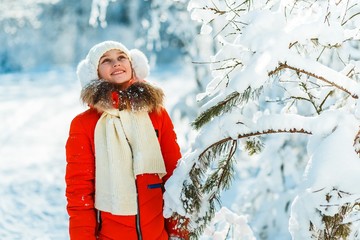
117, 72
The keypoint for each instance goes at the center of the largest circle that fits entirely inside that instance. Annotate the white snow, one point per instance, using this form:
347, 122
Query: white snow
36, 110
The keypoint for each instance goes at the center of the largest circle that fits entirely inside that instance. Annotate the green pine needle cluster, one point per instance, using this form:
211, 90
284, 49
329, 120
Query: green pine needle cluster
233, 99
222, 107
214, 169
254, 145
334, 226
213, 173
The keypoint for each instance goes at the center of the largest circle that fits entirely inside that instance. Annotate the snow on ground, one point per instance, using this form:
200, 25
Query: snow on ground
35, 113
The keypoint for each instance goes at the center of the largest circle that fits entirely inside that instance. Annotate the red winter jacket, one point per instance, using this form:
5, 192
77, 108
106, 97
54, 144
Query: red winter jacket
80, 177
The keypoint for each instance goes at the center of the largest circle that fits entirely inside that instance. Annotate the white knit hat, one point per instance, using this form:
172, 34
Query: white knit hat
87, 70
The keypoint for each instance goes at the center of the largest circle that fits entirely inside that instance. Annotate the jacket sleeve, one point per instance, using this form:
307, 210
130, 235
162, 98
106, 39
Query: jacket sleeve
168, 144
79, 178
171, 154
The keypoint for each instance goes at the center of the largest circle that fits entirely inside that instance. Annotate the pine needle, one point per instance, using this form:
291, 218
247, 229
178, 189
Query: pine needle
233, 99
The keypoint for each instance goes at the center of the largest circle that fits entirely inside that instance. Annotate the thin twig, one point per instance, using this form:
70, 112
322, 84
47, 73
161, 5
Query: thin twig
284, 66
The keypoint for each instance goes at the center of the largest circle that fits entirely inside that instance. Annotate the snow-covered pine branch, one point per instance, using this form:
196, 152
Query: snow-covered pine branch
320, 72
278, 60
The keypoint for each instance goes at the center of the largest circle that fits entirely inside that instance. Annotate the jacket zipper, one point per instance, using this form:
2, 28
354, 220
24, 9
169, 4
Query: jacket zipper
138, 227
99, 221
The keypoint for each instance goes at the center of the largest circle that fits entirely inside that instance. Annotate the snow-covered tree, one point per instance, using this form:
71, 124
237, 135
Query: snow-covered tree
283, 102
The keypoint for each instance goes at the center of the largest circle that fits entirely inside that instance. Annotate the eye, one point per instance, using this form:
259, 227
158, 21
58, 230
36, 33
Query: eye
122, 57
105, 60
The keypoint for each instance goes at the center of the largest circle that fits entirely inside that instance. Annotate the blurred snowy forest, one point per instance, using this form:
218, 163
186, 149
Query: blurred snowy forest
41, 34
275, 102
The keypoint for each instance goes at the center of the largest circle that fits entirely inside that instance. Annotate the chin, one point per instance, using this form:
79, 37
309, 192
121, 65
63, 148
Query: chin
120, 81
123, 84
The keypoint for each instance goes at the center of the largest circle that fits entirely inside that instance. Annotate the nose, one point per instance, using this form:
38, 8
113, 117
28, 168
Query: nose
116, 63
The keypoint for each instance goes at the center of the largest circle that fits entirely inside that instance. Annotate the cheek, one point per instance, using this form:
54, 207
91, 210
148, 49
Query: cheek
101, 72
129, 67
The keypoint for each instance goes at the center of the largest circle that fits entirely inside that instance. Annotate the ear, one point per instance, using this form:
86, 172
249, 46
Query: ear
86, 72
140, 64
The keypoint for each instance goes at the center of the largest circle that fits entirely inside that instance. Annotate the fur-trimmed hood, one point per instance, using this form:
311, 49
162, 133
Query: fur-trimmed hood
140, 96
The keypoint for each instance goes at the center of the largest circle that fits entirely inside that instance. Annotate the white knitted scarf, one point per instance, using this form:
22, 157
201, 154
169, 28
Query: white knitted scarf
125, 146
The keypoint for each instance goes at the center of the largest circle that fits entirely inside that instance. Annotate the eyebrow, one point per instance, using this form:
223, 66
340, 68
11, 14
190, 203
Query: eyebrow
106, 55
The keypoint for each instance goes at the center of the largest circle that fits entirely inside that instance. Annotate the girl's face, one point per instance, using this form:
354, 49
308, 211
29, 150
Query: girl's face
115, 67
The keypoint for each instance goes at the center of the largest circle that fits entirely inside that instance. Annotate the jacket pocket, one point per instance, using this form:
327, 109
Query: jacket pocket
155, 185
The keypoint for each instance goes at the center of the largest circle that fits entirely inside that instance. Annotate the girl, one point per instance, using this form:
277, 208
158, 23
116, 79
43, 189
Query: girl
120, 151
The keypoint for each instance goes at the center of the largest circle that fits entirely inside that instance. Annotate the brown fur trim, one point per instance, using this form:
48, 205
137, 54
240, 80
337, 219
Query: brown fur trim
140, 96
